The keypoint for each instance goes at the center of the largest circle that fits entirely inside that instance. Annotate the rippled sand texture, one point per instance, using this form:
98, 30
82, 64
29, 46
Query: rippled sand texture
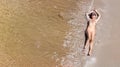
32, 32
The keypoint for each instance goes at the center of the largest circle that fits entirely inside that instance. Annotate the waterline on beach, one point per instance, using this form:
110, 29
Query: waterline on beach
74, 39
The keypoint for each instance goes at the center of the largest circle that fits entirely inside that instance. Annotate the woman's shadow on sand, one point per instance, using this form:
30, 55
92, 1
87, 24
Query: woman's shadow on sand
85, 35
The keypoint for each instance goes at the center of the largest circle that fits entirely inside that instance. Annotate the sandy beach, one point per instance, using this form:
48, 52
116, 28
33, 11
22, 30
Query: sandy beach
50, 33
106, 50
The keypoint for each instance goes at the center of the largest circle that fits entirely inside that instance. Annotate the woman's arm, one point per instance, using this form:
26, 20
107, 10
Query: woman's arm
87, 15
98, 14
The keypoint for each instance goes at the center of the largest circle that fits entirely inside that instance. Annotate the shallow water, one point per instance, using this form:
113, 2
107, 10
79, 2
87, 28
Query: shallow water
32, 32
74, 39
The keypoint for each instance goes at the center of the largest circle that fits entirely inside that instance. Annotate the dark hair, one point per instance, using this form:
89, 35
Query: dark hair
92, 14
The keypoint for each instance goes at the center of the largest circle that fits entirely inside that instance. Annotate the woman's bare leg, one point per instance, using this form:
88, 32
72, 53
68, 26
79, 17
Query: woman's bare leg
88, 40
90, 48
91, 44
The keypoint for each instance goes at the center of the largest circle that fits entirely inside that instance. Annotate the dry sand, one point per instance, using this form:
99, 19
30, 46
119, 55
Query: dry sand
106, 51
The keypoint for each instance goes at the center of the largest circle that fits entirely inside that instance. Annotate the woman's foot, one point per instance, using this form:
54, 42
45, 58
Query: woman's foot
88, 54
84, 47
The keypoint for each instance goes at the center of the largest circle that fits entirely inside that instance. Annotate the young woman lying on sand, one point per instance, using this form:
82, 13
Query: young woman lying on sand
92, 17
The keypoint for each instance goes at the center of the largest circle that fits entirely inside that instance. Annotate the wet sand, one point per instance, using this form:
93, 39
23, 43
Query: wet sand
106, 50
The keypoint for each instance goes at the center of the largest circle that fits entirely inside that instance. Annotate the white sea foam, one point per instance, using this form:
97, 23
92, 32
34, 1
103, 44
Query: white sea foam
75, 37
